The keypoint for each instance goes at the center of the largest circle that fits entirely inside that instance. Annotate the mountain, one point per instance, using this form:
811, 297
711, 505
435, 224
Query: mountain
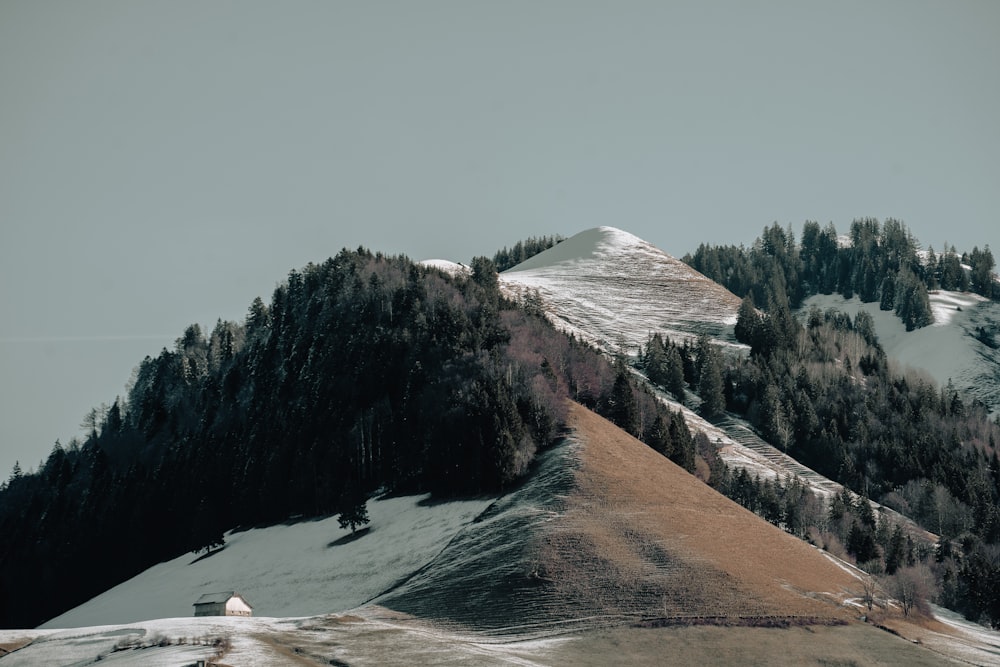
612, 289
370, 376
364, 375
822, 405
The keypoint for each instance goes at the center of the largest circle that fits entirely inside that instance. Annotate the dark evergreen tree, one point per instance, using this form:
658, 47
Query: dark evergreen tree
675, 373
982, 279
748, 323
623, 411
710, 388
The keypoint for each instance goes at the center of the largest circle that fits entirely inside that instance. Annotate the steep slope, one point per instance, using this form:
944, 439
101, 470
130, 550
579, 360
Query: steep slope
611, 288
608, 531
603, 528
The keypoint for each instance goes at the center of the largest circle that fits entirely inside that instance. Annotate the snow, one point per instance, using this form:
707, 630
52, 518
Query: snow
312, 575
370, 636
453, 268
613, 289
596, 243
289, 570
945, 350
82, 646
963, 639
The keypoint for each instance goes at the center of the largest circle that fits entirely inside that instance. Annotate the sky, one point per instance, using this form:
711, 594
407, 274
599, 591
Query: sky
163, 163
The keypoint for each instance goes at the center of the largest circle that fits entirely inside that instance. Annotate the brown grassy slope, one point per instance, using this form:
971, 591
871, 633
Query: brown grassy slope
639, 535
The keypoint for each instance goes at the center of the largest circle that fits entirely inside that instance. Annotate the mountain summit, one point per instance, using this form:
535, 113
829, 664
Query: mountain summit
611, 288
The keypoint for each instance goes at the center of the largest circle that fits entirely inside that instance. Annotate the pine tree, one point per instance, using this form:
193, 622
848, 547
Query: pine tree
675, 373
748, 322
659, 437
655, 360
624, 412
982, 278
710, 388
895, 553
353, 507
682, 442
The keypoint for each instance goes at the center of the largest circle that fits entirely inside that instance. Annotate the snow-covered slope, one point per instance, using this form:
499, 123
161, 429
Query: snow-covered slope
302, 569
946, 350
612, 289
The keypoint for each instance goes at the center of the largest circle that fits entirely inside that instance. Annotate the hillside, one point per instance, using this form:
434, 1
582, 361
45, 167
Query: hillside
600, 505
609, 529
824, 393
304, 568
611, 288
374, 376
608, 286
606, 543
364, 375
951, 349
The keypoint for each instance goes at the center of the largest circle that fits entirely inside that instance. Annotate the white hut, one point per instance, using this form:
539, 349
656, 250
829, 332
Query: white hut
227, 603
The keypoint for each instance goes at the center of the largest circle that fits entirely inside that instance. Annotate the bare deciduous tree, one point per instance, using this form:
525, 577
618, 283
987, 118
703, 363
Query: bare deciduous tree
869, 585
911, 586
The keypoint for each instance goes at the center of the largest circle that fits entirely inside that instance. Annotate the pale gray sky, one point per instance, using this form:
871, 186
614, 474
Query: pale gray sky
163, 163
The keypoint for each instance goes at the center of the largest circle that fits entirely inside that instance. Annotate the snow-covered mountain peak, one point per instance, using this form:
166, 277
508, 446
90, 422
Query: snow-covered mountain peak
598, 243
613, 289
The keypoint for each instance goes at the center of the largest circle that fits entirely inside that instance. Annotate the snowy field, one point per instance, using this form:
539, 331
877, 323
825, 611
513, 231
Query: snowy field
296, 576
964, 639
368, 636
304, 569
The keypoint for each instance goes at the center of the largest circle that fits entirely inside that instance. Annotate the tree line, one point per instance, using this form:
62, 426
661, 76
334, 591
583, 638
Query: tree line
877, 262
364, 374
521, 251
